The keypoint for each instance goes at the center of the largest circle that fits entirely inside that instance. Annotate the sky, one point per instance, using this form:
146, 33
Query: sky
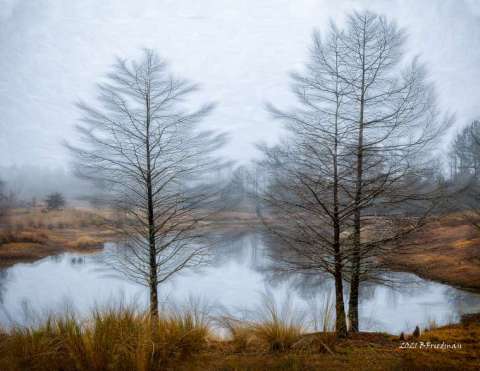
53, 52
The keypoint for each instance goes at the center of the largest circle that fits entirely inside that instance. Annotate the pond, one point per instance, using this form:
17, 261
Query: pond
233, 281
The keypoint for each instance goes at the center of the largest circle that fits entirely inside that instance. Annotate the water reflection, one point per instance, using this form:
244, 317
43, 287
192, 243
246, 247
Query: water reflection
235, 279
77, 260
3, 282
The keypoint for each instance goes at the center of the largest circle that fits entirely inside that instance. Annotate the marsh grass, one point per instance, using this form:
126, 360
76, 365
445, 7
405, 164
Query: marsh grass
86, 242
120, 337
269, 327
240, 334
58, 219
322, 313
29, 236
115, 338
279, 327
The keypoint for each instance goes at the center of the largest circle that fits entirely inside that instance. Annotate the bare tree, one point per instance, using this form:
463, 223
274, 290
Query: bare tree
142, 145
465, 152
359, 157
304, 197
464, 182
395, 124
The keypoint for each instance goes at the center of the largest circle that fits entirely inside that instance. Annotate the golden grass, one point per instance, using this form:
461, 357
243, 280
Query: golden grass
279, 333
58, 219
85, 242
32, 234
274, 329
240, 334
9, 236
446, 250
110, 339
120, 338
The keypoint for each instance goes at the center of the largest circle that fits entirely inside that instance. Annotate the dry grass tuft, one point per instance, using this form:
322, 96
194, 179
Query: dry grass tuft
241, 334
121, 338
273, 329
279, 328
110, 339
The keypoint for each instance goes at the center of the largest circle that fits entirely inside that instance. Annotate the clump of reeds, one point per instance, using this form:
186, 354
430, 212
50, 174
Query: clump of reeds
241, 334
115, 338
279, 328
272, 328
322, 313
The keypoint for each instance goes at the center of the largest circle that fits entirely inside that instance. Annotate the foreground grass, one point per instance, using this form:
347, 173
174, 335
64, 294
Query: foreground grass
112, 339
122, 339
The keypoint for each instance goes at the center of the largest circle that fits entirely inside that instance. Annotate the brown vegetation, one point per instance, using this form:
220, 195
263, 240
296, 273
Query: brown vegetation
120, 339
32, 234
446, 250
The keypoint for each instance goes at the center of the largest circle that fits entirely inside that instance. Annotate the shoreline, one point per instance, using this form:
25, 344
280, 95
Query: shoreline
446, 251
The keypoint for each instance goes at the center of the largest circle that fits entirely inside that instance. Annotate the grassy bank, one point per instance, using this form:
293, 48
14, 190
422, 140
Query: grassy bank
31, 234
447, 250
187, 339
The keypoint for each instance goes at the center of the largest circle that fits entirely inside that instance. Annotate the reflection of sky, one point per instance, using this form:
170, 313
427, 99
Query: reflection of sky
52, 282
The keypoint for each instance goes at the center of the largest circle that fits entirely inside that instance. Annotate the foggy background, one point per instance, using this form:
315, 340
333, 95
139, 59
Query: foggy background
54, 52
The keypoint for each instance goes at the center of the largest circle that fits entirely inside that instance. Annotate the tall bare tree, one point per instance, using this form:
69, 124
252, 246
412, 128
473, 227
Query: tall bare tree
305, 197
142, 145
358, 159
464, 182
395, 124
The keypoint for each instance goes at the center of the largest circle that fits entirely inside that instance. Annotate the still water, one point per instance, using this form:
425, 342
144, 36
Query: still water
232, 281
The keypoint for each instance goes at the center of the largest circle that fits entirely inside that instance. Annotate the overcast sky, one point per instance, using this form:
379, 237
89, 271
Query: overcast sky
240, 51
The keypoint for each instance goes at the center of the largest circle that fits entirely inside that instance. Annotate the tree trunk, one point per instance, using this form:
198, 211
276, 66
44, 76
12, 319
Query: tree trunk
340, 320
355, 263
153, 279
353, 301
